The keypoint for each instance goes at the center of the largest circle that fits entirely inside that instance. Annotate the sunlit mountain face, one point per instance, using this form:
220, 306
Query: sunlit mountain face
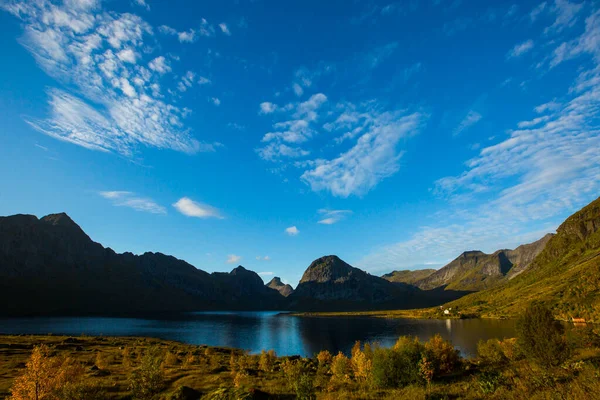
396, 135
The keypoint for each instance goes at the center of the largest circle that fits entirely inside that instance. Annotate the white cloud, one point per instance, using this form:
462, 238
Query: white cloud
566, 15
266, 273
103, 56
267, 107
160, 65
537, 11
549, 106
330, 217
187, 81
297, 89
191, 208
204, 81
263, 258
292, 231
191, 35
224, 29
233, 259
520, 49
374, 157
127, 55
470, 119
215, 101
142, 3
131, 200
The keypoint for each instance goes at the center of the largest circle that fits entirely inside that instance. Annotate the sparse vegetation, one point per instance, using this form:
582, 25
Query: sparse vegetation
61, 368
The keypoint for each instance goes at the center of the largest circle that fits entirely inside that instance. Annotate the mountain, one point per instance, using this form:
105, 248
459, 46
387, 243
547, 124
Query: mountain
284, 289
407, 276
332, 284
476, 270
243, 286
565, 275
51, 266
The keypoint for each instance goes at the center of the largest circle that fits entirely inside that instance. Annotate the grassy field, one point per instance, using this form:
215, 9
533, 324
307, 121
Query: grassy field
194, 372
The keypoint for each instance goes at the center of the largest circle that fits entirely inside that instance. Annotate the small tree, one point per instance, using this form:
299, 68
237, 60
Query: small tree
442, 355
148, 380
267, 360
51, 378
541, 337
398, 366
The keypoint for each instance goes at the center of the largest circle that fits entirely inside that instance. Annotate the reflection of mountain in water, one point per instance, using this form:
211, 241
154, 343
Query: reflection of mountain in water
255, 331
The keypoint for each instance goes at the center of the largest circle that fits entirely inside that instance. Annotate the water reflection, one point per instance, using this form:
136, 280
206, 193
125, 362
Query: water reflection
255, 331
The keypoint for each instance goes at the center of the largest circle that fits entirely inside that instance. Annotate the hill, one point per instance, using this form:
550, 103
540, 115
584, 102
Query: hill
408, 276
565, 275
476, 270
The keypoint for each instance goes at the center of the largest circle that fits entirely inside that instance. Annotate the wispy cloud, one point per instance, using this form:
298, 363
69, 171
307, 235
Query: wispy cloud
566, 14
267, 107
292, 231
263, 258
191, 35
520, 49
374, 156
233, 259
191, 208
131, 200
224, 28
117, 104
266, 273
330, 217
468, 121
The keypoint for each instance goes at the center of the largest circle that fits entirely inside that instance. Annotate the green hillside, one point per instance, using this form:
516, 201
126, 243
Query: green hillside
565, 275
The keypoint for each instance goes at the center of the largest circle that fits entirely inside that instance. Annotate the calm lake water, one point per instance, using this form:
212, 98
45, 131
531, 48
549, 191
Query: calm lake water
254, 331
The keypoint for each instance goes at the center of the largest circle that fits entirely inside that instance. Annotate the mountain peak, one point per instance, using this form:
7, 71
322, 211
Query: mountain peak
275, 281
59, 219
239, 270
281, 287
328, 268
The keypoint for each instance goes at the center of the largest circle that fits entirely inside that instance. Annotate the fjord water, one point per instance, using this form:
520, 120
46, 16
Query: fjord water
255, 331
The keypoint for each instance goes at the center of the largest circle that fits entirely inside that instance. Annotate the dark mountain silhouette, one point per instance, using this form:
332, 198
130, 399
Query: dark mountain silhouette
284, 289
50, 266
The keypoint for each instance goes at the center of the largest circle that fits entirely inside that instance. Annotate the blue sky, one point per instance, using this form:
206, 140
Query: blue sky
269, 133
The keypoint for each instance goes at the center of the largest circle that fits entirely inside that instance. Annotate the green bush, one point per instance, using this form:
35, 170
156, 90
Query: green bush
490, 352
489, 381
398, 366
541, 337
148, 380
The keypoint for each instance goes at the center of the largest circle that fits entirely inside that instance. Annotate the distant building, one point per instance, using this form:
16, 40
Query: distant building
447, 311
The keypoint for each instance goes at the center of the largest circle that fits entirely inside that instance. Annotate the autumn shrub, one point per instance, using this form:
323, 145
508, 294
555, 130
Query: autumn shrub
148, 380
267, 360
52, 378
171, 359
510, 349
299, 378
341, 368
541, 337
324, 358
442, 355
398, 366
102, 360
490, 352
362, 364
